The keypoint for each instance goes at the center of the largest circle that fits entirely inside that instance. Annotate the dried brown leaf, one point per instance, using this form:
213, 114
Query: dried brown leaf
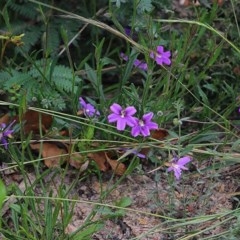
84, 166
53, 155
5, 119
100, 159
34, 120
118, 167
76, 160
159, 134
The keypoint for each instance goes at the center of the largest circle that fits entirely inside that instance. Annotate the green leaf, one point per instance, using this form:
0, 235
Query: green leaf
87, 232
215, 55
124, 202
89, 132
3, 193
202, 95
48, 219
92, 76
144, 6
210, 87
108, 213
17, 78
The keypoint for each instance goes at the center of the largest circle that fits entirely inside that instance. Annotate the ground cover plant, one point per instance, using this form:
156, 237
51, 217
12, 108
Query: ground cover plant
119, 119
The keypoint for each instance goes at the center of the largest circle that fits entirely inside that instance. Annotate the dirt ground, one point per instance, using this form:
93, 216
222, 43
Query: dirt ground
152, 196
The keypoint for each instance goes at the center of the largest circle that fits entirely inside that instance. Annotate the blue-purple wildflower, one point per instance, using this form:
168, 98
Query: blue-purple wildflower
123, 117
88, 109
128, 31
177, 165
134, 152
144, 125
5, 132
137, 63
161, 57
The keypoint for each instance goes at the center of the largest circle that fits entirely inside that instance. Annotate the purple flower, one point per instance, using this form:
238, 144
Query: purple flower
134, 152
122, 116
88, 109
161, 57
140, 155
5, 131
178, 165
137, 63
128, 31
144, 125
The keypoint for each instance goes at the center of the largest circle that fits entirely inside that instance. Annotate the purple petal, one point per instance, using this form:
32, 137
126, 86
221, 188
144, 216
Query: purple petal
135, 152
152, 55
91, 112
145, 131
152, 125
113, 117
139, 64
124, 56
183, 168
143, 66
116, 108
97, 113
130, 111
184, 160
121, 124
3, 125
131, 122
7, 133
167, 54
82, 102
140, 155
147, 117
136, 130
135, 121
90, 107
159, 61
167, 61
4, 142
160, 49
128, 31
177, 173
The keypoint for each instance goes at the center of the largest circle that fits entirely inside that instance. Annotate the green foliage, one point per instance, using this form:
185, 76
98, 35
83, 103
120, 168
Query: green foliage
107, 212
24, 8
136, 13
86, 233
39, 25
3, 193
44, 83
144, 6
